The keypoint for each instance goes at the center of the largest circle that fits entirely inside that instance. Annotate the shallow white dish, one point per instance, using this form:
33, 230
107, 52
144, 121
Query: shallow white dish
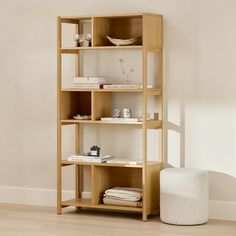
122, 42
79, 117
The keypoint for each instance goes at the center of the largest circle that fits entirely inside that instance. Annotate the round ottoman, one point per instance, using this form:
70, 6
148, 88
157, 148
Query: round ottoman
184, 196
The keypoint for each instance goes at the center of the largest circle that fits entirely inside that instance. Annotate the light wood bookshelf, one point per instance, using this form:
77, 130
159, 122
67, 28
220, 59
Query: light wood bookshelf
98, 103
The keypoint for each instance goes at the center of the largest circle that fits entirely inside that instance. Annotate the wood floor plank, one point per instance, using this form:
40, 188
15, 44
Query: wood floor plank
34, 221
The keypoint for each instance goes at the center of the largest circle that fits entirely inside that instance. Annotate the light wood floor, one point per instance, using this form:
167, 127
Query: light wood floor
33, 221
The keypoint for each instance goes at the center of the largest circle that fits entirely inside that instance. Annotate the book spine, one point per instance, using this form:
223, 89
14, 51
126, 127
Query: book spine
125, 162
87, 160
84, 157
121, 86
88, 86
93, 160
95, 86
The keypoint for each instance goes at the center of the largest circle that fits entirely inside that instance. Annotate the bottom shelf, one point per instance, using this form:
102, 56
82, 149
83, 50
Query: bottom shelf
88, 204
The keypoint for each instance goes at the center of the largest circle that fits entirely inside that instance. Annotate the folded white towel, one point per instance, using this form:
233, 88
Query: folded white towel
124, 193
108, 201
122, 198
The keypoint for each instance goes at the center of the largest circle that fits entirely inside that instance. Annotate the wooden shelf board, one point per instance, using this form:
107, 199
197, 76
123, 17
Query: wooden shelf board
150, 92
66, 163
129, 15
78, 202
74, 50
74, 20
74, 89
73, 121
154, 124
151, 49
151, 124
119, 208
87, 204
154, 92
105, 15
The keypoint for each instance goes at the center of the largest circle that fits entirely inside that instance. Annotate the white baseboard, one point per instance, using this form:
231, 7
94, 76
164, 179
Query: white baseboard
34, 196
47, 197
222, 210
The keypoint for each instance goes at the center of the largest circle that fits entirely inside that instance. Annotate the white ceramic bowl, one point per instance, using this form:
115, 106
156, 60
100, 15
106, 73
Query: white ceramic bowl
122, 42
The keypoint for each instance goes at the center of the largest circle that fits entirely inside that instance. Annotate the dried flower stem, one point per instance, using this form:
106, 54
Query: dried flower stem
126, 74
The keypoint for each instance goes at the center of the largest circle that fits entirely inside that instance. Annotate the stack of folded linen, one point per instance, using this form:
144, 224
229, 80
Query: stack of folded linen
122, 196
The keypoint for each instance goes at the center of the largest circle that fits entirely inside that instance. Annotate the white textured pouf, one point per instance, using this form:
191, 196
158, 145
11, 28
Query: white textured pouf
184, 196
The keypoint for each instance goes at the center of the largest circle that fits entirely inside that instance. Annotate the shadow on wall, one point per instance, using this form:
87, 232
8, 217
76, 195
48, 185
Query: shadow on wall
222, 190
178, 89
174, 136
222, 187
174, 103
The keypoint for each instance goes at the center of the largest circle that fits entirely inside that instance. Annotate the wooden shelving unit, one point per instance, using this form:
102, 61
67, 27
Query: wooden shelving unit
98, 103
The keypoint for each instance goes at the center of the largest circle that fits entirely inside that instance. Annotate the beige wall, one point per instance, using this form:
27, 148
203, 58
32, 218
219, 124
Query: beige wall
200, 76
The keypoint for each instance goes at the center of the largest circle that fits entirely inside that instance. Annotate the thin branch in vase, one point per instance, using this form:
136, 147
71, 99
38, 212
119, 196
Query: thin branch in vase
126, 74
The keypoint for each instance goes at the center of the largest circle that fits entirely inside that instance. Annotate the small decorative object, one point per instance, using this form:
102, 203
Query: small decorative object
156, 116
89, 39
126, 74
127, 113
79, 38
123, 42
95, 151
82, 117
121, 119
116, 113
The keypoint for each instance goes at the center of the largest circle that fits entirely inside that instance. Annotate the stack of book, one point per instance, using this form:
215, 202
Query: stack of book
86, 158
125, 161
89, 82
96, 82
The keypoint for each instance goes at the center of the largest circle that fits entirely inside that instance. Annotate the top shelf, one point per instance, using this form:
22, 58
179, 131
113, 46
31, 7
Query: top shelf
74, 19
146, 27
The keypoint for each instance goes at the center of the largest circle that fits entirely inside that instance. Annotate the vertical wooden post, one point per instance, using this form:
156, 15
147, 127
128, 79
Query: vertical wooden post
77, 56
144, 133
77, 167
77, 127
160, 77
59, 130
162, 136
